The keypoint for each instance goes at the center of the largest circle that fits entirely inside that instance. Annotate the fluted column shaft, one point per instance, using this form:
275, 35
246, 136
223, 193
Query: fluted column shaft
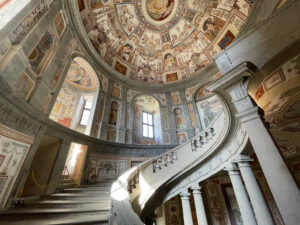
186, 208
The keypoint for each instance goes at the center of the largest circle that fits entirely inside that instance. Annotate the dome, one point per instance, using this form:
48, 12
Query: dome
161, 41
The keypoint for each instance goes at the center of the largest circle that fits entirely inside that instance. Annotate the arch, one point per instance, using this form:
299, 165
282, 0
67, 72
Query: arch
76, 55
141, 94
76, 102
201, 92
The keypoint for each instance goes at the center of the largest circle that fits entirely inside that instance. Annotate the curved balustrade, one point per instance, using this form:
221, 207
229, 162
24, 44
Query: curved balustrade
145, 181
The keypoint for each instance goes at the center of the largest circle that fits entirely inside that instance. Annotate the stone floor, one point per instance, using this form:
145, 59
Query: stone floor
87, 204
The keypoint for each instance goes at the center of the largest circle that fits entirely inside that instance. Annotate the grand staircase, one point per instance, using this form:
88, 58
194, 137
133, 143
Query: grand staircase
86, 204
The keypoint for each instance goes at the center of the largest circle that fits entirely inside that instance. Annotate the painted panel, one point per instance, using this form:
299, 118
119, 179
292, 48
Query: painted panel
14, 147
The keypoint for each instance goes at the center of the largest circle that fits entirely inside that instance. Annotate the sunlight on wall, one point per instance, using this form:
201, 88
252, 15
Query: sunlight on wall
119, 188
146, 191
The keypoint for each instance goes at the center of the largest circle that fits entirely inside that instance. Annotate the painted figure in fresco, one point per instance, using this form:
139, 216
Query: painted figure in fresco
126, 52
174, 219
212, 27
160, 9
169, 61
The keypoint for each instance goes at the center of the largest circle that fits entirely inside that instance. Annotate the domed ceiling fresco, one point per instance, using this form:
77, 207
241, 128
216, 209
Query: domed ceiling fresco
161, 40
81, 76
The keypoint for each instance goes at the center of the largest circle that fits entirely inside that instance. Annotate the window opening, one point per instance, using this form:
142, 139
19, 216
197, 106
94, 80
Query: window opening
148, 127
86, 113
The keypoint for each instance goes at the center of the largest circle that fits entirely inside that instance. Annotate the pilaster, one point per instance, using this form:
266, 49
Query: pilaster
104, 123
171, 120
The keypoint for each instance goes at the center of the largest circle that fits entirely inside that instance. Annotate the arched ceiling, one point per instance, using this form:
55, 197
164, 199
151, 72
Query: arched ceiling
161, 41
82, 76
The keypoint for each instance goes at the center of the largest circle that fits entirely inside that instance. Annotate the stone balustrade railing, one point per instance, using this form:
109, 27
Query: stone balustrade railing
141, 183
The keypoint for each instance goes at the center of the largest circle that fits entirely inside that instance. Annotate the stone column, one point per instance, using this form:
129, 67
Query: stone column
260, 207
106, 111
281, 182
186, 208
200, 210
171, 119
241, 196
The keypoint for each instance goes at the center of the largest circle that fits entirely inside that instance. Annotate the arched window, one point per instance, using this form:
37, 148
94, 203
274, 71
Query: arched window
76, 101
146, 127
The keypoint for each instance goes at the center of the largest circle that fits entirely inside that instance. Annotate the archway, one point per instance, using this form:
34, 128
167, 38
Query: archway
76, 101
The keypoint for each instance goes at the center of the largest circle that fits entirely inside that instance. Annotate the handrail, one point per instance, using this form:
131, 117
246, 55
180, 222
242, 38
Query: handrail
180, 146
157, 171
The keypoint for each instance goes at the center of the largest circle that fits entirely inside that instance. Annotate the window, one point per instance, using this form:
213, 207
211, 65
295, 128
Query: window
86, 113
147, 125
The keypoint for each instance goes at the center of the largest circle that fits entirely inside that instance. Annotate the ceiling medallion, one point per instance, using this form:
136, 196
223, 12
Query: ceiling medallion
159, 11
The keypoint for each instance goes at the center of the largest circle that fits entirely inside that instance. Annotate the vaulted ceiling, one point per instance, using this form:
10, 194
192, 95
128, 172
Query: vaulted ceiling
161, 41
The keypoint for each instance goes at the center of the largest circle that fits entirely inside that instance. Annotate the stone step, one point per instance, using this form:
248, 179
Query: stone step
62, 204
86, 204
92, 207
88, 191
68, 219
63, 195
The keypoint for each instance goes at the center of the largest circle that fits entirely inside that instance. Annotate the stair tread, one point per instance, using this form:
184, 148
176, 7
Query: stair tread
74, 209
84, 204
83, 218
66, 202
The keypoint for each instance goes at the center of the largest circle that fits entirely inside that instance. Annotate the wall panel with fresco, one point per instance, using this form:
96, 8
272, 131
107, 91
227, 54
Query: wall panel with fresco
14, 147
279, 97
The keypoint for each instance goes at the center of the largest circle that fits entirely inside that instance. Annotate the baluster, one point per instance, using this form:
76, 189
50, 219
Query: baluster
154, 163
212, 131
165, 158
174, 157
159, 162
194, 145
170, 160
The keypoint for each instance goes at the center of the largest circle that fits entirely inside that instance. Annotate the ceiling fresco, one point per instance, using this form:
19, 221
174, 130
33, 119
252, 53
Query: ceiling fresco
81, 76
161, 40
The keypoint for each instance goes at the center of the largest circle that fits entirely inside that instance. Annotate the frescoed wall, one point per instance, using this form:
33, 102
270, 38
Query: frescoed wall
278, 94
145, 103
103, 167
4, 3
208, 109
41, 55
222, 204
114, 113
29, 21
14, 147
80, 86
173, 212
179, 118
